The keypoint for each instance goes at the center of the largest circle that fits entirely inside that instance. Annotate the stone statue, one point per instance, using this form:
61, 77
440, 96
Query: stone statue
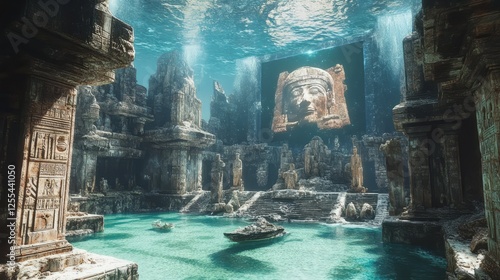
317, 158
217, 179
286, 158
237, 172
308, 95
262, 175
357, 172
103, 185
234, 203
291, 177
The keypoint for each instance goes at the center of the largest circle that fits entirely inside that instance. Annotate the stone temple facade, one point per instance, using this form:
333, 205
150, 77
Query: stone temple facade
109, 124
119, 139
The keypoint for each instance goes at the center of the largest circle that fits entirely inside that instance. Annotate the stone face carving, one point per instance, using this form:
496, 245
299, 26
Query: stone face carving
395, 175
310, 95
217, 174
291, 177
357, 172
237, 172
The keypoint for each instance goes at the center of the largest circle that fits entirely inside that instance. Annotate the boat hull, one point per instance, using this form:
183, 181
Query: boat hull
244, 237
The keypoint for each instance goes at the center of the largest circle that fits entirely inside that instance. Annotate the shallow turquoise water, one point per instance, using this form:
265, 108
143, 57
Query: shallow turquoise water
197, 249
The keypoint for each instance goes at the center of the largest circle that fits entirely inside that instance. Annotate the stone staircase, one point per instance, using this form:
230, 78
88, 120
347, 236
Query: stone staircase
312, 206
338, 208
382, 210
198, 204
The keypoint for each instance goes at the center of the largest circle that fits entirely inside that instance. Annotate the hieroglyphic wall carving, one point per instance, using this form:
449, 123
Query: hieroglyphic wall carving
43, 183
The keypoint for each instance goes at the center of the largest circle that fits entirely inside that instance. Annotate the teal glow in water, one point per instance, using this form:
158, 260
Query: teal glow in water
196, 249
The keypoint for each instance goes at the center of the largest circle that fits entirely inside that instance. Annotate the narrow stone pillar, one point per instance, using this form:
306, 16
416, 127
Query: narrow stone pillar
452, 168
199, 172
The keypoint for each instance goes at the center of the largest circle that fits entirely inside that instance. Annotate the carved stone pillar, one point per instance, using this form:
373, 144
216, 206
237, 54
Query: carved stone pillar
47, 129
420, 180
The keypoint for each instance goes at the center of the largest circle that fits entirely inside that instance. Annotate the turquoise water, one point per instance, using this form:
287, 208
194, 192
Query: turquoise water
197, 249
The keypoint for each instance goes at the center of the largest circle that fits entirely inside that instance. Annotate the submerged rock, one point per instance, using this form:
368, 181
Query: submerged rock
367, 212
351, 213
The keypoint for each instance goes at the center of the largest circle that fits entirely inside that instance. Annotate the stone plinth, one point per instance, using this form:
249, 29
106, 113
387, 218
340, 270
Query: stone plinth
77, 264
421, 233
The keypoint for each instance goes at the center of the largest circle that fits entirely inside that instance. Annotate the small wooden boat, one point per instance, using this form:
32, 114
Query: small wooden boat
162, 226
260, 230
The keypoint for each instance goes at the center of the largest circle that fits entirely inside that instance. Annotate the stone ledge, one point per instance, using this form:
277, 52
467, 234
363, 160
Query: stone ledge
77, 264
426, 234
83, 225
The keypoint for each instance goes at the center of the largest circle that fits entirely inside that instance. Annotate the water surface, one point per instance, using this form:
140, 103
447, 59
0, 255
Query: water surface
197, 249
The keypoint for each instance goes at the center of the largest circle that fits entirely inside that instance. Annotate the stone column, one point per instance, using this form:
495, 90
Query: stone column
452, 168
180, 175
199, 172
420, 180
47, 129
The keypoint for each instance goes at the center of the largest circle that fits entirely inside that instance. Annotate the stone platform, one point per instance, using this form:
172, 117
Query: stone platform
82, 224
77, 264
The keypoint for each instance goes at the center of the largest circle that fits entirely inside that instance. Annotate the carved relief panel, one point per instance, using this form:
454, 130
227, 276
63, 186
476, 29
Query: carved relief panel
48, 136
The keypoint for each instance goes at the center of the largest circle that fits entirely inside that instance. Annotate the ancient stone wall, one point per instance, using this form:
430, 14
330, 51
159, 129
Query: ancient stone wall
451, 74
40, 99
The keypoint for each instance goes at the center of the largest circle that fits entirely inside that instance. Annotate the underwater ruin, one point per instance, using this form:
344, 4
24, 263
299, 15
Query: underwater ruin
136, 134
